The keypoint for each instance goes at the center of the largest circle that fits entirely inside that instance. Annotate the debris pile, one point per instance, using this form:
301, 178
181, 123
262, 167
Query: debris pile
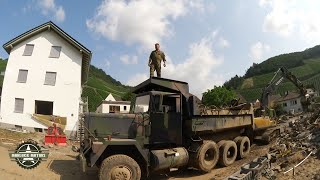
300, 139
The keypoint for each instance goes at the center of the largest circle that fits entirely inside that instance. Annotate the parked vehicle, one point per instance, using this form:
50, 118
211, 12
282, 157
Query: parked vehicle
168, 128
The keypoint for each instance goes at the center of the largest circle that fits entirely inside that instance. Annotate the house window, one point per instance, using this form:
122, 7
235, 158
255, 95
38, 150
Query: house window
28, 50
18, 127
18, 106
284, 104
55, 51
50, 78
293, 102
125, 108
114, 109
22, 76
43, 107
38, 129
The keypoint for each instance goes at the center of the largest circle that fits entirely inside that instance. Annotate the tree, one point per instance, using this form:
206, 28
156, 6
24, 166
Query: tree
127, 96
218, 96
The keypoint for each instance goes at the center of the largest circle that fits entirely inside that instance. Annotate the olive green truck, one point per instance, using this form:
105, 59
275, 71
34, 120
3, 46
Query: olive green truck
167, 128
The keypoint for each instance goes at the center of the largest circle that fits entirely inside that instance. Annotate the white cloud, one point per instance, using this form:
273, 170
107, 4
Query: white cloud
198, 68
137, 79
223, 43
257, 51
293, 18
126, 59
60, 15
107, 63
143, 22
49, 8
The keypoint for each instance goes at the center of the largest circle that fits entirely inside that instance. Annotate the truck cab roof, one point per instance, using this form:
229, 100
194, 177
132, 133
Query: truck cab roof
164, 85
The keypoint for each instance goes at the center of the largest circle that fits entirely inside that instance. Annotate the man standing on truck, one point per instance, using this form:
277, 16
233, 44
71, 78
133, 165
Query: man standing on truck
155, 59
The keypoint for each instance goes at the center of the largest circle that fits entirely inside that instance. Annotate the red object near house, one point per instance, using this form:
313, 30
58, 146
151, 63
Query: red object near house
55, 136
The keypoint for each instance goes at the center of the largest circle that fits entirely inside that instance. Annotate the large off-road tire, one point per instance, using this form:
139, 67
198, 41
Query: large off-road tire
220, 143
119, 167
228, 153
236, 140
243, 145
207, 156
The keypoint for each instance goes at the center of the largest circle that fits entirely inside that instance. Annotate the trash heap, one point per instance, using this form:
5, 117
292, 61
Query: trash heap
299, 140
302, 134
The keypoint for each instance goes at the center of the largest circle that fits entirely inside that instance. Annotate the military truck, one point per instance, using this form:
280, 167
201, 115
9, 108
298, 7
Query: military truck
167, 128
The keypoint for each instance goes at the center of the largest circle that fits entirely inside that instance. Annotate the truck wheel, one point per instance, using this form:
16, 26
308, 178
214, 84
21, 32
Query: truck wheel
228, 153
207, 156
243, 145
236, 140
220, 143
119, 167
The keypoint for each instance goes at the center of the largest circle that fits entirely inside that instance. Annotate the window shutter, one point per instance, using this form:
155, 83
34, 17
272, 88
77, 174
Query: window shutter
55, 51
19, 103
22, 76
50, 78
28, 50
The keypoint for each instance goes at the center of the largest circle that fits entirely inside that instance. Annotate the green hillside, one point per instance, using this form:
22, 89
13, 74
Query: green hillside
3, 64
305, 65
97, 88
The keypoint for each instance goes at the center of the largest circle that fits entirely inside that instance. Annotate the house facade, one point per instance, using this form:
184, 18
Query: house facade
113, 105
290, 102
312, 93
44, 75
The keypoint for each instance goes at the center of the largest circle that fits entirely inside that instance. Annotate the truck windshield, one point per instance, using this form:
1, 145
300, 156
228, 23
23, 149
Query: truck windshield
142, 104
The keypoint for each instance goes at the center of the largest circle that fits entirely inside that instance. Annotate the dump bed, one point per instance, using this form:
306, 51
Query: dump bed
217, 120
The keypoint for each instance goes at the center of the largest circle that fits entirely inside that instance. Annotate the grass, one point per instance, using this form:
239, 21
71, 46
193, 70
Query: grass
93, 98
3, 65
247, 83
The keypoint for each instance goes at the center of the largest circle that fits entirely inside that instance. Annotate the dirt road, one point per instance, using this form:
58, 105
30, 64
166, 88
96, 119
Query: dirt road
62, 164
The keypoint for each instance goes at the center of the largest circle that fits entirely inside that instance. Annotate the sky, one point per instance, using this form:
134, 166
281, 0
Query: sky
206, 42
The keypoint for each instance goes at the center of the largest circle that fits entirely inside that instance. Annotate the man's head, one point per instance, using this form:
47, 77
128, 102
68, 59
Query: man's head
157, 46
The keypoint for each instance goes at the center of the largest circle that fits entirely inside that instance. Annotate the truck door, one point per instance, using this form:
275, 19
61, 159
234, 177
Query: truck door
172, 109
165, 119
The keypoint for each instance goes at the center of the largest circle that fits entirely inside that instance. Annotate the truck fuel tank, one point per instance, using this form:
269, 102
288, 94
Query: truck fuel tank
169, 158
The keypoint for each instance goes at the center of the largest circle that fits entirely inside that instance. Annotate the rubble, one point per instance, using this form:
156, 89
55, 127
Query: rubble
75, 148
299, 141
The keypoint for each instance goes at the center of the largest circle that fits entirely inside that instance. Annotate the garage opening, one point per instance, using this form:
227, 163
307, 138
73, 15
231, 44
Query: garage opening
44, 107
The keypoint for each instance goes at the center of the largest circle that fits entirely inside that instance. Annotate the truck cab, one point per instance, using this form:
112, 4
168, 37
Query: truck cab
164, 116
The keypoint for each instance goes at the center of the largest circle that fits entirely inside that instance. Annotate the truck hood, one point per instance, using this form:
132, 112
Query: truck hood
116, 125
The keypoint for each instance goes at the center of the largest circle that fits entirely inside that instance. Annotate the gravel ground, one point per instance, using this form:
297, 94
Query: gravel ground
62, 164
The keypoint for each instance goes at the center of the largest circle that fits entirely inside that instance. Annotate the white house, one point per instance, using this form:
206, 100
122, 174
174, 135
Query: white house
312, 92
291, 102
44, 75
113, 105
